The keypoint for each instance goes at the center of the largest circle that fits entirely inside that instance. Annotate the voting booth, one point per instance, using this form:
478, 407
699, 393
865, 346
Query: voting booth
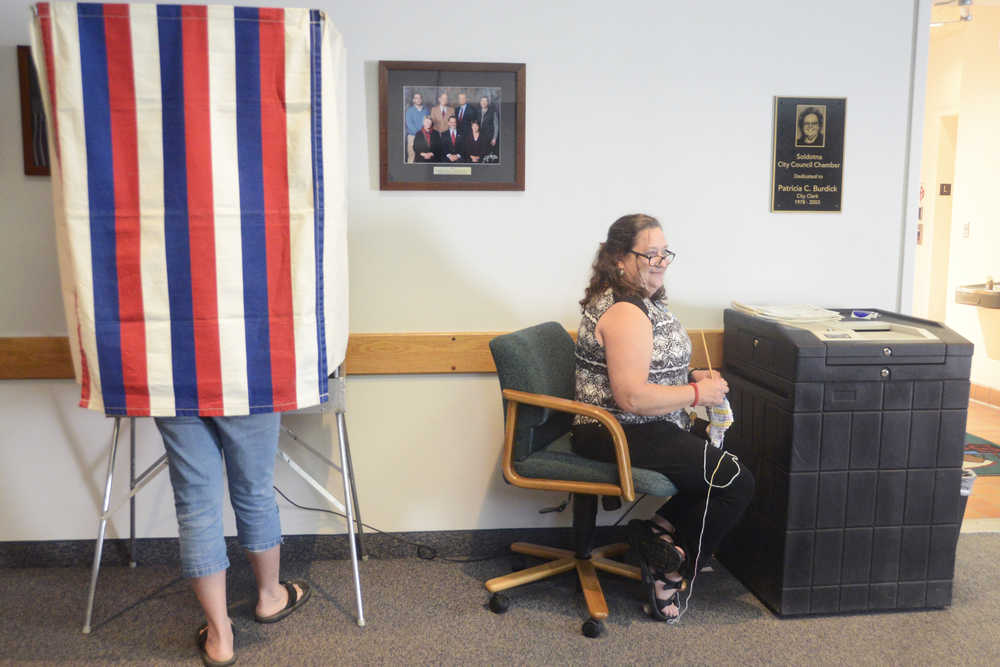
854, 430
199, 196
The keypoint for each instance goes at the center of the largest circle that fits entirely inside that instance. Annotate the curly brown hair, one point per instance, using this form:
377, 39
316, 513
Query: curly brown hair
621, 238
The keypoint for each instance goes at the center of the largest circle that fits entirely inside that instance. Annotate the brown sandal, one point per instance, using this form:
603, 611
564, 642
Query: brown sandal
294, 601
202, 637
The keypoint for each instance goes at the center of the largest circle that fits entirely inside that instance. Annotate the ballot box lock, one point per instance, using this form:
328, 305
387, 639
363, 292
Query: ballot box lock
886, 351
884, 373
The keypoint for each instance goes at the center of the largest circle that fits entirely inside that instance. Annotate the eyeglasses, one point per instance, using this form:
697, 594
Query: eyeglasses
667, 257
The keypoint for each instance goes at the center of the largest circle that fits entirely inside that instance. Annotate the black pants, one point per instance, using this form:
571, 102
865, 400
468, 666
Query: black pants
680, 455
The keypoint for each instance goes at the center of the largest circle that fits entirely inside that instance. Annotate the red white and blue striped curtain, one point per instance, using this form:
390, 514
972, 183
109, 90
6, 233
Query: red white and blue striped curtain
198, 183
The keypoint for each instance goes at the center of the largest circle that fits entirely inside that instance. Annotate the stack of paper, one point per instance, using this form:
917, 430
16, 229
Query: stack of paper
790, 314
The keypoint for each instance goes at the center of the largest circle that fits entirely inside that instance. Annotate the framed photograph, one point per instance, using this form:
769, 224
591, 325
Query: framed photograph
36, 145
451, 126
807, 169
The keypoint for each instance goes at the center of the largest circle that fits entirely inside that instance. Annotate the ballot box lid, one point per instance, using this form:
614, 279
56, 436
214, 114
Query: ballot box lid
813, 351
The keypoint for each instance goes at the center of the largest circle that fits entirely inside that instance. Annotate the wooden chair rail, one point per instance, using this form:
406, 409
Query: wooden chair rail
367, 354
35, 358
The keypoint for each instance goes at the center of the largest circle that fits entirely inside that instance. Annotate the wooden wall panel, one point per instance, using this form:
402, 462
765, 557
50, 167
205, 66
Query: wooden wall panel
407, 353
367, 354
24, 358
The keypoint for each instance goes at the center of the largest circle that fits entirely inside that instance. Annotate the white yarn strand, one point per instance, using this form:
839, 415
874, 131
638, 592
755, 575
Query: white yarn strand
681, 610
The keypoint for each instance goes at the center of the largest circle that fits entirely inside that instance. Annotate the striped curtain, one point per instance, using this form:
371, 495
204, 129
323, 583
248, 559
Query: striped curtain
198, 186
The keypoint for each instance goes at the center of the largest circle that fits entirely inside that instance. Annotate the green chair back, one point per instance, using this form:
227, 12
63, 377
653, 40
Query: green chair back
539, 360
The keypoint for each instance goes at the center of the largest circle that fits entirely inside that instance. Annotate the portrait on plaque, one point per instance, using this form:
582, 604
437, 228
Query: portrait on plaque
807, 161
809, 126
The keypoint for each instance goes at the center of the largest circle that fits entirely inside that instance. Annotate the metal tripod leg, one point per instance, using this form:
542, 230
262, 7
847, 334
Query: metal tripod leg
354, 496
349, 502
347, 507
346, 468
338, 400
131, 493
102, 525
350, 470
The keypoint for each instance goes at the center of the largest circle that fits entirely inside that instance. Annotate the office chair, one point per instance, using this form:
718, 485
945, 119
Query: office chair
536, 368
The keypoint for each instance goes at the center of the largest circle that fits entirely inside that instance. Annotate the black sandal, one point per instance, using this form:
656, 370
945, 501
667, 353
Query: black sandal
202, 637
656, 605
645, 538
661, 532
294, 601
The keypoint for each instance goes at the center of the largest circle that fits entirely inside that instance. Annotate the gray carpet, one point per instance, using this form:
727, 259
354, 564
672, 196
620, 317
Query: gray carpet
421, 612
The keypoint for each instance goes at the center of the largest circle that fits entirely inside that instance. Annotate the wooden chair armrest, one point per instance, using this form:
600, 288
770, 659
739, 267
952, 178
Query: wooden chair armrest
625, 487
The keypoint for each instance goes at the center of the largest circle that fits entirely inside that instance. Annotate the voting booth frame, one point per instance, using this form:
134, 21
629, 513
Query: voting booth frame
349, 507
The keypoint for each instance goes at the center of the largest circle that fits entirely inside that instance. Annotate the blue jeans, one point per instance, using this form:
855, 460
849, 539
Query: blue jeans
196, 449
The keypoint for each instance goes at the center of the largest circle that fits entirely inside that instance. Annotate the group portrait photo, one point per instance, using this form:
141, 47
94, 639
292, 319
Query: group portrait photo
451, 124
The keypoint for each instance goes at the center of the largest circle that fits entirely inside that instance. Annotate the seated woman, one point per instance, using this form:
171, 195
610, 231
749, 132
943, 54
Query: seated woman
475, 143
632, 358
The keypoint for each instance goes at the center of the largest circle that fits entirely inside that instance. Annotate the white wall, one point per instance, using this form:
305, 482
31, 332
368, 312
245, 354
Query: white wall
30, 304
696, 86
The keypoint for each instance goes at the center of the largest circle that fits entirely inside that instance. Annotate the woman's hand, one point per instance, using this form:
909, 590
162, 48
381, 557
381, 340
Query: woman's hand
712, 388
699, 375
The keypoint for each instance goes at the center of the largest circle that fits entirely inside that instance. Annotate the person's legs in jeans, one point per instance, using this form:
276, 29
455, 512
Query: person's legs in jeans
195, 457
250, 444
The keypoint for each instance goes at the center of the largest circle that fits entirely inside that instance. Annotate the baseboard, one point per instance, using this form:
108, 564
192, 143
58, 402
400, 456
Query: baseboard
981, 526
298, 548
984, 394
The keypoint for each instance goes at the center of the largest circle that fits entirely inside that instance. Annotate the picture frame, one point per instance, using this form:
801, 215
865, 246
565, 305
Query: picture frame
483, 149
34, 139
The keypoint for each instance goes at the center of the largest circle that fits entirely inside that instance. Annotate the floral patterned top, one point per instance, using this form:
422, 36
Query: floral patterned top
668, 365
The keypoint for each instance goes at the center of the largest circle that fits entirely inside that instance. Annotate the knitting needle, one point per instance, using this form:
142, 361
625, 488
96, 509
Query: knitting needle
708, 357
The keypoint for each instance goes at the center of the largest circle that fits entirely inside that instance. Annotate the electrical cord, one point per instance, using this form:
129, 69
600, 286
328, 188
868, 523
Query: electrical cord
632, 507
424, 551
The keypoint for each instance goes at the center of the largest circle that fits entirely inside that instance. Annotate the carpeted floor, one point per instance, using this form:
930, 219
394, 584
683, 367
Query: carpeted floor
421, 612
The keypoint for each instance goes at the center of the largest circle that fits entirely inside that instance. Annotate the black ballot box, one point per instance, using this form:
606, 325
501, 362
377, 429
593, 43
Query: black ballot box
854, 431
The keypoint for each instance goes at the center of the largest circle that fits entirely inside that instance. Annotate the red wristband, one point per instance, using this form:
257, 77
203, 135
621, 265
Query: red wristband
695, 387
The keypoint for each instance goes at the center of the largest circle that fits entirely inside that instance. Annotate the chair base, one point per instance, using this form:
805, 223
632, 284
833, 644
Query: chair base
564, 560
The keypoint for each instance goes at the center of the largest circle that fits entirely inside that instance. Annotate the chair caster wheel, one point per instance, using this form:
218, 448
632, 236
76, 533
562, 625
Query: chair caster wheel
499, 603
592, 628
